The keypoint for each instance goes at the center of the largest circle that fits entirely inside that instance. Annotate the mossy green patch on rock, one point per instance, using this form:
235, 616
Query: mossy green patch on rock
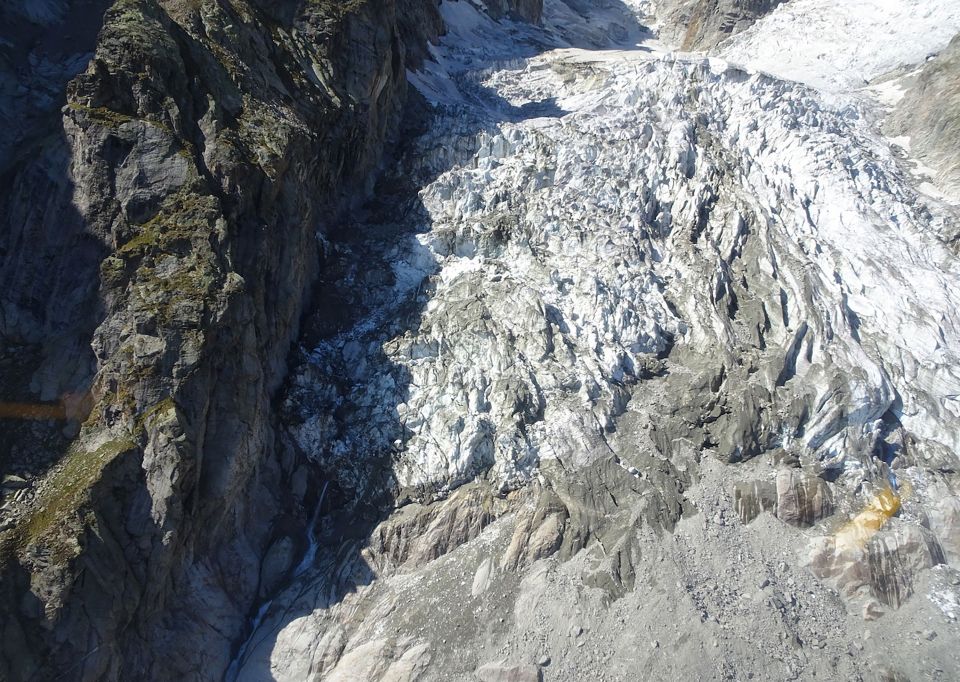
102, 115
63, 495
183, 217
115, 119
156, 413
112, 270
178, 298
58, 515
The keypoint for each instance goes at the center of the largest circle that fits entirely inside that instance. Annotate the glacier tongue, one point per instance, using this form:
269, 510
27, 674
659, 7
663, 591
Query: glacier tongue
629, 257
634, 214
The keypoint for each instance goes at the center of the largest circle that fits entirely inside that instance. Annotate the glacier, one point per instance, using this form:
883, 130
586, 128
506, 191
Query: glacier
604, 267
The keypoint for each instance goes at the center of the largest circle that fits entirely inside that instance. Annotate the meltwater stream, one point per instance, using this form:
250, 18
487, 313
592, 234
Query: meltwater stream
309, 555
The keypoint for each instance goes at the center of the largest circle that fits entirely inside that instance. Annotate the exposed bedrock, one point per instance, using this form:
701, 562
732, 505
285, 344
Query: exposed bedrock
158, 249
929, 114
703, 24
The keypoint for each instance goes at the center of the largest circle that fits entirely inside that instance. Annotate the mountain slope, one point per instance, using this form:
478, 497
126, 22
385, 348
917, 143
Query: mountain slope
658, 357
402, 341
929, 115
167, 221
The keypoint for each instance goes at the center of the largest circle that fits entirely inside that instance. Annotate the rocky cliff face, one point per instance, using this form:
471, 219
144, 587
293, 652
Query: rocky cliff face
929, 115
703, 24
158, 248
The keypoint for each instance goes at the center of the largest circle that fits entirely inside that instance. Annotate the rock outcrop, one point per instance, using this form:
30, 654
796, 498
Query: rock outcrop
703, 24
794, 496
158, 249
929, 114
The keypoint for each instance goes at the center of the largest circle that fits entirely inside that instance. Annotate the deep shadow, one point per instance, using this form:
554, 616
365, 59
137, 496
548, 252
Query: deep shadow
49, 289
357, 287
49, 263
